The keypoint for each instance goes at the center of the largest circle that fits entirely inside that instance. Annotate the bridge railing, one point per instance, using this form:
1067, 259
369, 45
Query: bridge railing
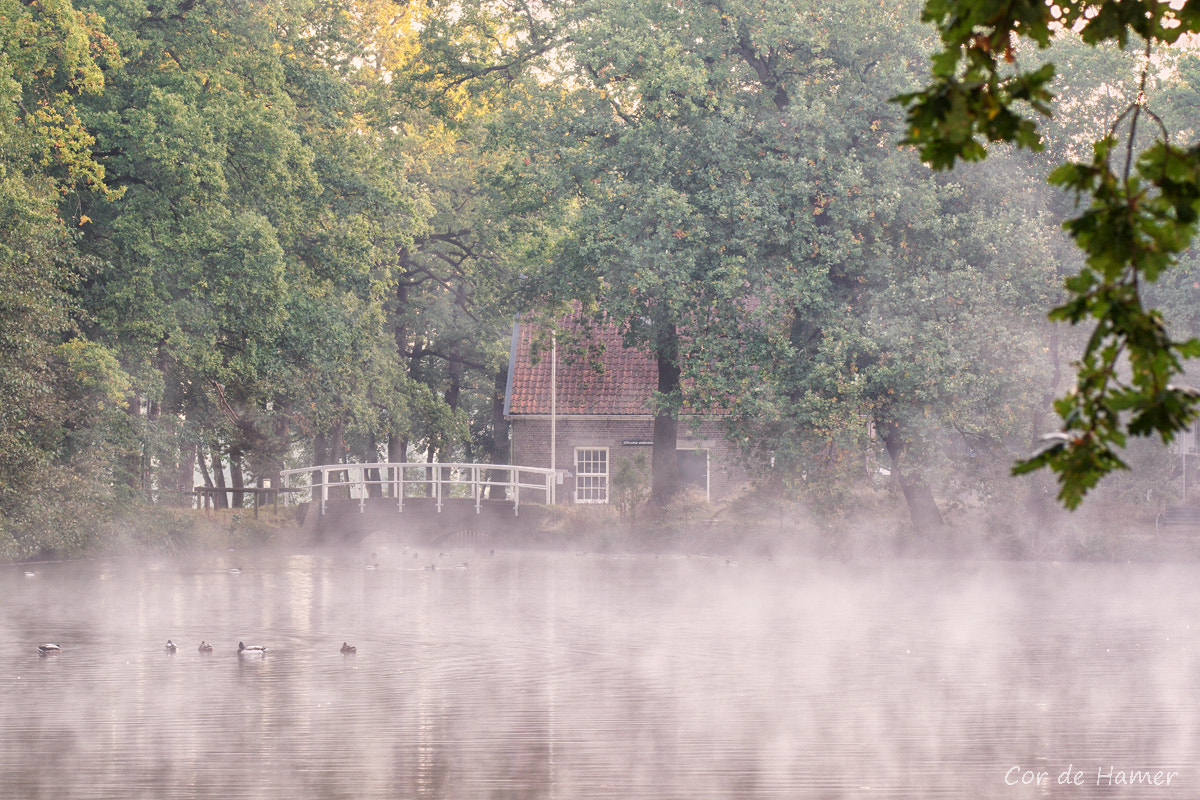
437, 480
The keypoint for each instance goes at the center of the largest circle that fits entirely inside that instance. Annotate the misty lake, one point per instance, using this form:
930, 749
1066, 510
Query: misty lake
564, 675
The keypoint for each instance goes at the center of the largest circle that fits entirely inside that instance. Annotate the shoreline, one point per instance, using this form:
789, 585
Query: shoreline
723, 535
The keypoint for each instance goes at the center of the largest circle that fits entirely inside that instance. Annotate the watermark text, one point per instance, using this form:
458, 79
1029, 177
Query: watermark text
1107, 775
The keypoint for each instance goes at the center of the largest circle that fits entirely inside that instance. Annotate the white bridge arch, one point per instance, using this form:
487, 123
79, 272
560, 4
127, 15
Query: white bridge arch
437, 480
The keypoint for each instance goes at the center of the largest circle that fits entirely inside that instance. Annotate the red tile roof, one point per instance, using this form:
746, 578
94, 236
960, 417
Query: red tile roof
608, 379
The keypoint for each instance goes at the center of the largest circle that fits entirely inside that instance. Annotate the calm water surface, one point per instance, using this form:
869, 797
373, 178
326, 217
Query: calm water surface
552, 675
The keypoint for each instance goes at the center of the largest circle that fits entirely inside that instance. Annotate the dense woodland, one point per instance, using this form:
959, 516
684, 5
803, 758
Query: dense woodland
242, 235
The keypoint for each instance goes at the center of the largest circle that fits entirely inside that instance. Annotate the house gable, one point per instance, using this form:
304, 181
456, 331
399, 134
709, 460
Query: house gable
608, 379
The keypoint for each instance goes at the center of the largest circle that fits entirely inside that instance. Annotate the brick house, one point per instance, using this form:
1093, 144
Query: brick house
602, 415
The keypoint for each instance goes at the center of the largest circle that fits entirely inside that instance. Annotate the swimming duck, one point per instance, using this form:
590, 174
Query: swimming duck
348, 649
252, 650
171, 646
205, 647
49, 649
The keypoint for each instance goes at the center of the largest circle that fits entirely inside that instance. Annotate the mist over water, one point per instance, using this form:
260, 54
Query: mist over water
561, 675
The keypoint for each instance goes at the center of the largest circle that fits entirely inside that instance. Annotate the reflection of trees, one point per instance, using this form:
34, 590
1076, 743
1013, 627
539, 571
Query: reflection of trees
577, 676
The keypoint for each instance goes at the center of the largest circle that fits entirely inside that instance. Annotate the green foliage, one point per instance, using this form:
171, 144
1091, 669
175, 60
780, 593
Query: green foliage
50, 54
698, 167
1140, 212
729, 195
244, 271
272, 244
630, 484
234, 234
56, 387
1126, 239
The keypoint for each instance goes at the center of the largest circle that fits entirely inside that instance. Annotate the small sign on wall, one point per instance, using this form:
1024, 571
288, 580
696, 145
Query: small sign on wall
637, 442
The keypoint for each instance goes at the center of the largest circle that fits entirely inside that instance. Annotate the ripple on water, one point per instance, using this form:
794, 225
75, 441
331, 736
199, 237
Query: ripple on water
534, 675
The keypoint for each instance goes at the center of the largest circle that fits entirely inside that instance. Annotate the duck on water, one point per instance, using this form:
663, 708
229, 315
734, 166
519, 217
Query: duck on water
251, 650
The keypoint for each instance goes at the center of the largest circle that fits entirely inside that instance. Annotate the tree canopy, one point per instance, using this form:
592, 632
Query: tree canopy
238, 237
1140, 198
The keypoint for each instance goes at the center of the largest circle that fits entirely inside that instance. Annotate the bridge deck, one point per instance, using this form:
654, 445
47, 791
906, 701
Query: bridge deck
421, 522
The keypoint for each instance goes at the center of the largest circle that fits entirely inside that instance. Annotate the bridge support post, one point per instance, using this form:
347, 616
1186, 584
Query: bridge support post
437, 486
324, 489
477, 488
399, 475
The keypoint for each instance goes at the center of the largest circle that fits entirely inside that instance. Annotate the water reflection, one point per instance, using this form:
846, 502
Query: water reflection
530, 675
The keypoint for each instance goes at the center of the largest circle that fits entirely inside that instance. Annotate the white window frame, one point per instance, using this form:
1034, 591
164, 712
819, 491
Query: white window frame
591, 486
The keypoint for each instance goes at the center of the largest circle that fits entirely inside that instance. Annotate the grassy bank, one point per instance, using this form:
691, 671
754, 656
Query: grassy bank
751, 527
152, 530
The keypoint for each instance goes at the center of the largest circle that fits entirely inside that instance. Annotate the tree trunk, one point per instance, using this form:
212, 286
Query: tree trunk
282, 431
664, 464
320, 458
498, 448
498, 444
218, 469
337, 453
132, 458
1040, 485
185, 475
922, 507
150, 451
237, 477
397, 448
370, 454
397, 452
208, 481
